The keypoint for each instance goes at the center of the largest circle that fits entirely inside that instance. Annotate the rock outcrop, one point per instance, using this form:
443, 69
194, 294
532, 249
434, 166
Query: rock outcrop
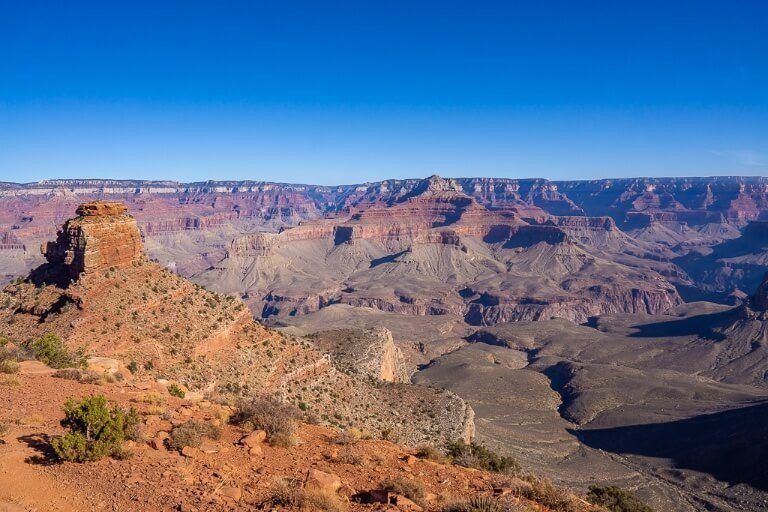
372, 352
102, 236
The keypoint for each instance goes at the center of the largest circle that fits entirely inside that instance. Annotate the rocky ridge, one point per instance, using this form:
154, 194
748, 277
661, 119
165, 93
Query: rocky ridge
119, 306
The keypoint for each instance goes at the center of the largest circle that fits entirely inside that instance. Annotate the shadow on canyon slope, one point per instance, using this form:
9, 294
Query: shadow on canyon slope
702, 326
731, 446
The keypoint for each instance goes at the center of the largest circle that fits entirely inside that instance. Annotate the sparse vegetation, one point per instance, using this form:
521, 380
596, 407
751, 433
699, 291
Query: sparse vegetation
5, 427
616, 499
9, 380
349, 456
478, 456
431, 453
478, 504
96, 430
350, 436
546, 493
175, 390
82, 376
191, 433
51, 350
8, 366
289, 493
411, 489
267, 413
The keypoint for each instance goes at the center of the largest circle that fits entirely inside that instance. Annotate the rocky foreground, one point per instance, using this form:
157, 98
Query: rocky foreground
236, 471
210, 410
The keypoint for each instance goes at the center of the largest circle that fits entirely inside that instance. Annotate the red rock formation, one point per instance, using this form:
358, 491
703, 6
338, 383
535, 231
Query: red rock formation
103, 235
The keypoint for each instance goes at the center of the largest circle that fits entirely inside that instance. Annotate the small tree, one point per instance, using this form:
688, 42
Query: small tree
49, 349
96, 429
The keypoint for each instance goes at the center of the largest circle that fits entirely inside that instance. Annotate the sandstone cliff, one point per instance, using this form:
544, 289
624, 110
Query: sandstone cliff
102, 236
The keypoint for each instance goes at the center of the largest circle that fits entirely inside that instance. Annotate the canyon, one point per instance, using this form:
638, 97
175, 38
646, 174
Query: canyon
596, 330
474, 247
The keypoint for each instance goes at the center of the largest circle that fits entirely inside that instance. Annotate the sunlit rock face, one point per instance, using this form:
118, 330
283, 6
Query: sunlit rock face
102, 236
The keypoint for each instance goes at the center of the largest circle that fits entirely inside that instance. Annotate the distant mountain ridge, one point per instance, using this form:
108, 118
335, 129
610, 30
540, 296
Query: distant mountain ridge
736, 197
655, 233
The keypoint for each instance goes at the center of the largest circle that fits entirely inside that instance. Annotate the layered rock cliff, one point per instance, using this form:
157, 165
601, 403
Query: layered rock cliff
102, 236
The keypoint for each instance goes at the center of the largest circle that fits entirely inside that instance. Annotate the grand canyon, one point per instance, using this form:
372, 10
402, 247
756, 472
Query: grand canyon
605, 332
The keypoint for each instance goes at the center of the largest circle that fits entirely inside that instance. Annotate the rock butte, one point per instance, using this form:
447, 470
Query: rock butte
103, 235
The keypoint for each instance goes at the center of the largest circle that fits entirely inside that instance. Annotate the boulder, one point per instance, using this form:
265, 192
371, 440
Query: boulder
232, 493
255, 438
404, 503
106, 365
321, 481
158, 442
190, 452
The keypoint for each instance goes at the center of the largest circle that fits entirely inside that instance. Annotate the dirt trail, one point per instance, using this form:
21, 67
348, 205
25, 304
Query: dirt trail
30, 486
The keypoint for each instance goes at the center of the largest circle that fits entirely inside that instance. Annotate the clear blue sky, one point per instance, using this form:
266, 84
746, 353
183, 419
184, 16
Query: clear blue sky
343, 92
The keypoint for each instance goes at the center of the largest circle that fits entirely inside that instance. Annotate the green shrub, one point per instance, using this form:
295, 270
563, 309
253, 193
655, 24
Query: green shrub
52, 351
269, 414
616, 499
176, 391
96, 430
411, 489
191, 433
478, 456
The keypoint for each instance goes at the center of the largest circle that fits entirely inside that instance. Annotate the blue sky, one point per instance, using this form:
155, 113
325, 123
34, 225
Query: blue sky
343, 92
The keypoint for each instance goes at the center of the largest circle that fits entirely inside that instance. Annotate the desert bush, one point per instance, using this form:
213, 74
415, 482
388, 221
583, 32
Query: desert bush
478, 504
387, 434
9, 380
68, 373
191, 433
348, 456
9, 367
431, 453
411, 489
290, 494
82, 376
52, 351
175, 390
5, 427
478, 456
96, 430
349, 436
616, 499
269, 414
542, 491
